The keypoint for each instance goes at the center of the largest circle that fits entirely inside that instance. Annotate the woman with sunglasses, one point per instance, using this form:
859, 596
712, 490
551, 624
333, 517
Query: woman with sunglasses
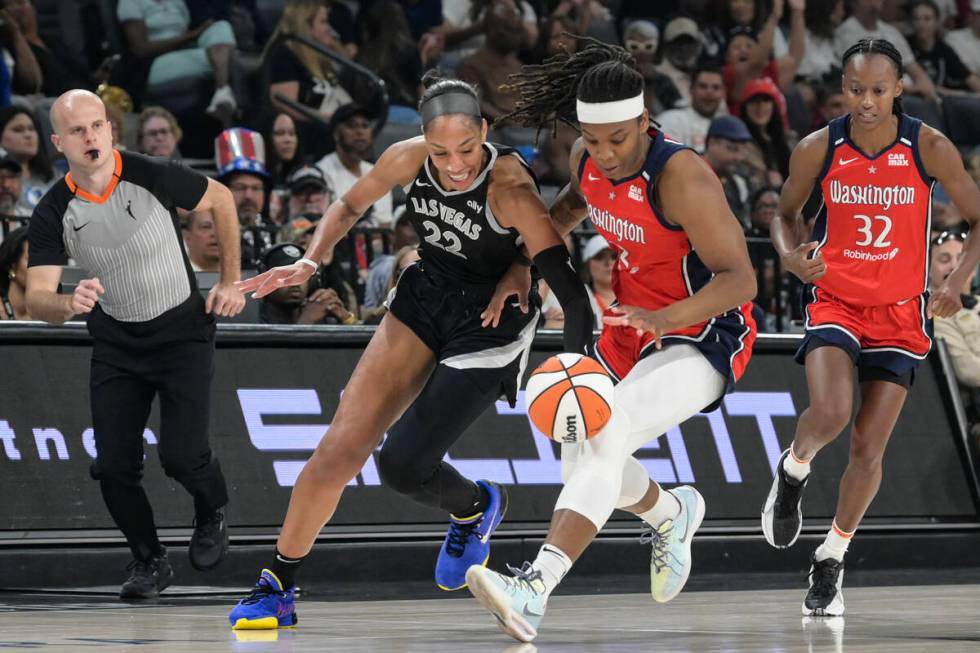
866, 265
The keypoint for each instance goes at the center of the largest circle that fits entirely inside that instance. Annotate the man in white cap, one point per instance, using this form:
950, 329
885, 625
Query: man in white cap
966, 41
682, 48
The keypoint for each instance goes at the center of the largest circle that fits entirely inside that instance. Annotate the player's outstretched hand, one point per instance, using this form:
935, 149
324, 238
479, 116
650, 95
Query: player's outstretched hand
945, 302
644, 321
805, 268
86, 295
225, 299
516, 281
271, 280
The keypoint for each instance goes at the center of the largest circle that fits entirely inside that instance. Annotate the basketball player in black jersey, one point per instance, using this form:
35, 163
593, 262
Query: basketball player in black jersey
441, 356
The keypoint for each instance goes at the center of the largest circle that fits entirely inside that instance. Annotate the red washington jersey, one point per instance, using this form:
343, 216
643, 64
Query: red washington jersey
873, 225
656, 265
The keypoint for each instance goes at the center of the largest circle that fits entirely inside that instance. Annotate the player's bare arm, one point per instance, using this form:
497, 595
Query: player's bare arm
789, 232
569, 208
396, 167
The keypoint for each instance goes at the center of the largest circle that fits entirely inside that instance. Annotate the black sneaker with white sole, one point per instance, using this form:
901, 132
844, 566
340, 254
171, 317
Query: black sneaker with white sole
825, 598
782, 517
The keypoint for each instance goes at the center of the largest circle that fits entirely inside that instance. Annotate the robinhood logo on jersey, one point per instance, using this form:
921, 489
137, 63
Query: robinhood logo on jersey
860, 255
885, 196
623, 229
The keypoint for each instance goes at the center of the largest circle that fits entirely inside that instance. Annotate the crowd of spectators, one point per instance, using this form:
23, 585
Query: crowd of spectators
271, 99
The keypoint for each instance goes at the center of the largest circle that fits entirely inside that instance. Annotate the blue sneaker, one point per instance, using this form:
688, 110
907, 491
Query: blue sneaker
268, 606
468, 540
517, 602
670, 561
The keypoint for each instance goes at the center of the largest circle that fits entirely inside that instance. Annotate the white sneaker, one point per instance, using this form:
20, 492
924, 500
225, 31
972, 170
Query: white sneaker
222, 103
517, 602
670, 559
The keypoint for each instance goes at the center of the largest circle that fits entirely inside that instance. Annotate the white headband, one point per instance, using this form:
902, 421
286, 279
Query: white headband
601, 113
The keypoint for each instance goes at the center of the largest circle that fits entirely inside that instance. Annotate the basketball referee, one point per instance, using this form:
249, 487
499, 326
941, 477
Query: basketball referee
115, 213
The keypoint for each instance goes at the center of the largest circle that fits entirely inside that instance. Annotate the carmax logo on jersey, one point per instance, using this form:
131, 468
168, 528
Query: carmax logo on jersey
868, 256
622, 229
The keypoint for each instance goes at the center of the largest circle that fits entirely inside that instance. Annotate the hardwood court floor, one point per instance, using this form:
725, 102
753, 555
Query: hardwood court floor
885, 619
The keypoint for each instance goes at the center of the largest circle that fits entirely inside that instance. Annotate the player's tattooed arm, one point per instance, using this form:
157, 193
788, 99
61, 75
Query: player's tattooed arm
569, 208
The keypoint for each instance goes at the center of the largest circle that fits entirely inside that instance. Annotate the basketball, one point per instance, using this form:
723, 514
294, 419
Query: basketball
569, 397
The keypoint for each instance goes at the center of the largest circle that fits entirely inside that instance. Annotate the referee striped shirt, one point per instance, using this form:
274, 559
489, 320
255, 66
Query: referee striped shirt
129, 237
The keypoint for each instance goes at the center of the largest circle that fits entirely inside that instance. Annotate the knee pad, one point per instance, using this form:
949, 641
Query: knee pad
635, 482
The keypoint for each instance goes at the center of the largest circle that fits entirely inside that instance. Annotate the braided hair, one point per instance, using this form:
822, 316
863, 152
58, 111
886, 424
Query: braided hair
596, 72
882, 47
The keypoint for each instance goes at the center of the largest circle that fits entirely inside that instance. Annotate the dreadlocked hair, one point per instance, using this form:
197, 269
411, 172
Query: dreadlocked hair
596, 72
882, 47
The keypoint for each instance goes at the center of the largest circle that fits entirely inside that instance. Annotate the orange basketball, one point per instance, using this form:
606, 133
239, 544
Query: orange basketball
569, 397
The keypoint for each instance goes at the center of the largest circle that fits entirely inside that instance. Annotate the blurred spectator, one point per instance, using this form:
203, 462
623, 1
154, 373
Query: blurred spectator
393, 54
404, 257
300, 304
592, 18
309, 192
423, 16
25, 75
961, 333
159, 133
380, 271
681, 51
690, 124
832, 102
11, 184
286, 153
160, 31
201, 241
768, 153
60, 72
118, 121
13, 276
641, 38
489, 67
865, 23
302, 74
240, 161
355, 142
19, 137
939, 61
552, 164
724, 151
748, 54
966, 41
744, 15
971, 161
821, 61
763, 206
467, 24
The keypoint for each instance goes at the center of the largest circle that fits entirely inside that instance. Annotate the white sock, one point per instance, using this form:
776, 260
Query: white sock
553, 564
667, 507
795, 467
835, 546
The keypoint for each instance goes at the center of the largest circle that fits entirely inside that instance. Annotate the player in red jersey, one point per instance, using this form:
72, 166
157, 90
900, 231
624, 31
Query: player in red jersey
678, 339
866, 270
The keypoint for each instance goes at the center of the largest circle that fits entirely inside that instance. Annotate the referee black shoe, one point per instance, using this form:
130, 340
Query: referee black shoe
148, 577
209, 543
782, 517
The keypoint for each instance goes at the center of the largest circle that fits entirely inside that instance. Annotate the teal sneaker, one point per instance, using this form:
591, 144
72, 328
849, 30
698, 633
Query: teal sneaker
468, 541
267, 606
670, 560
518, 601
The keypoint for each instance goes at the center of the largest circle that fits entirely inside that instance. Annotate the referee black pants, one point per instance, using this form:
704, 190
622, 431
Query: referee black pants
170, 357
